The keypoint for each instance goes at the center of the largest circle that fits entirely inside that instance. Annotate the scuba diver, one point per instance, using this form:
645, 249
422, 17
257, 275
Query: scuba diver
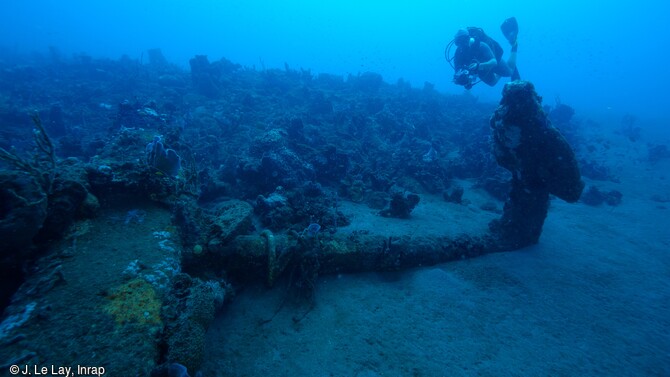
478, 57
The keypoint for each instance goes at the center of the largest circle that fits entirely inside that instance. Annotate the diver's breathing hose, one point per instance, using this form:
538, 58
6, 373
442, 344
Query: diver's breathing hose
447, 52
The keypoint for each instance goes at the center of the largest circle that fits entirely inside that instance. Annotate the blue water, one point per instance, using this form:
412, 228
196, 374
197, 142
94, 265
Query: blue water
602, 57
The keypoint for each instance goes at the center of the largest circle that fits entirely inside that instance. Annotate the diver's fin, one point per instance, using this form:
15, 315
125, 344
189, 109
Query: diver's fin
515, 75
510, 29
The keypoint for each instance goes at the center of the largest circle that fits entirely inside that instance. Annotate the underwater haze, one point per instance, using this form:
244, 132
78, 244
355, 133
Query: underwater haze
294, 188
601, 57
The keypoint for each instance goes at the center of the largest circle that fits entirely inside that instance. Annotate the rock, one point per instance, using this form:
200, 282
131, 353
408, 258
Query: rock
594, 197
400, 205
230, 219
64, 202
204, 76
455, 196
89, 206
658, 153
23, 209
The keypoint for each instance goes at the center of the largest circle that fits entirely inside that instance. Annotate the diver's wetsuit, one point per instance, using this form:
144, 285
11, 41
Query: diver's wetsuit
481, 52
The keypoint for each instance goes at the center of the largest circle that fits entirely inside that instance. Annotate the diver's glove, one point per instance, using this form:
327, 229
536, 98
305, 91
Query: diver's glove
474, 67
